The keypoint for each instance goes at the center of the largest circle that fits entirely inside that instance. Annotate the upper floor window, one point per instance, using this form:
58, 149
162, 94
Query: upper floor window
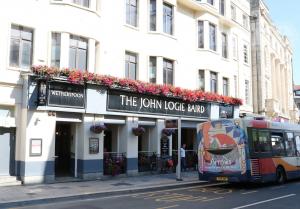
245, 53
213, 82
233, 12
212, 37
222, 7
131, 12
168, 19
152, 69
201, 80
245, 21
200, 34
210, 2
78, 52
84, 3
247, 93
224, 45
152, 15
131, 65
234, 47
55, 49
235, 86
225, 86
168, 71
21, 47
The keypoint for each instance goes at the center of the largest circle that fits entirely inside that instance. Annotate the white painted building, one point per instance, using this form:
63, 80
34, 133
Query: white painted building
186, 43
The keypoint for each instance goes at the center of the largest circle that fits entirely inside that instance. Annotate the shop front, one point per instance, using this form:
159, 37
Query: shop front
89, 130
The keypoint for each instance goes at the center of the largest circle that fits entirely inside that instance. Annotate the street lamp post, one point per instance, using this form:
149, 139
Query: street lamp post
178, 170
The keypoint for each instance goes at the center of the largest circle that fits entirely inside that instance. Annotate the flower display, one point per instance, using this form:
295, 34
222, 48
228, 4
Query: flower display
77, 76
168, 131
97, 129
139, 131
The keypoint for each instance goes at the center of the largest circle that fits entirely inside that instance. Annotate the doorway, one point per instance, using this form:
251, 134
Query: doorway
63, 139
7, 151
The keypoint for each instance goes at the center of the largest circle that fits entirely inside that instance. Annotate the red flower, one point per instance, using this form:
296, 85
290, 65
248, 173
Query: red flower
76, 76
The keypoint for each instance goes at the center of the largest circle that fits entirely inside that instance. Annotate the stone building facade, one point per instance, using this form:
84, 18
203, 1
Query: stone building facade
271, 67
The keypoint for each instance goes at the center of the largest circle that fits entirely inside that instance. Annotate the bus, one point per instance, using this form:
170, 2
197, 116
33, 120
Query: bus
248, 150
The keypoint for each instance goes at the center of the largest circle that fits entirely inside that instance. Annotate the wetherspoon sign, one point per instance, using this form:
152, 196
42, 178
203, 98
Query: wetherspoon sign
66, 95
141, 103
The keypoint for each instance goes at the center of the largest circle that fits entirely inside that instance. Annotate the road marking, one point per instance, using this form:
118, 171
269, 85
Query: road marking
212, 199
277, 187
264, 201
249, 192
171, 206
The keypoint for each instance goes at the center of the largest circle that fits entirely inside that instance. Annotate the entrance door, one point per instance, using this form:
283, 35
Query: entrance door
63, 150
7, 152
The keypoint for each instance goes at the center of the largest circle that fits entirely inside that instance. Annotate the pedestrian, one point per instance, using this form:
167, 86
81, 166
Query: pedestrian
182, 157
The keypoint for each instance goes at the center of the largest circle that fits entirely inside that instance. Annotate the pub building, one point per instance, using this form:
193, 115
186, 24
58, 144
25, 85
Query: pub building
89, 131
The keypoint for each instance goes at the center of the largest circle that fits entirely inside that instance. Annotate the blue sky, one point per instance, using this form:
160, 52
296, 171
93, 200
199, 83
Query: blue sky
286, 16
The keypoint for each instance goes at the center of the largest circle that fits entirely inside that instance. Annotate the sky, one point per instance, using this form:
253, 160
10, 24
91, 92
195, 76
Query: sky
286, 16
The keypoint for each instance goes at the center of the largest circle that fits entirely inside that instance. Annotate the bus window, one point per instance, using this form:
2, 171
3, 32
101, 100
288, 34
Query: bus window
297, 140
277, 144
263, 141
290, 145
260, 141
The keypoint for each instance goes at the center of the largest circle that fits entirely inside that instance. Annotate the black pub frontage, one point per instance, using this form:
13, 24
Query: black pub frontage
90, 130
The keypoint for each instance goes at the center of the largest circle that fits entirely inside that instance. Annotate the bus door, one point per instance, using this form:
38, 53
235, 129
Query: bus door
297, 141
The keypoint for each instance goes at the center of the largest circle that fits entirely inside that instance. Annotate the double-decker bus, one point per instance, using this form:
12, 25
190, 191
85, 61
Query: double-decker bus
248, 150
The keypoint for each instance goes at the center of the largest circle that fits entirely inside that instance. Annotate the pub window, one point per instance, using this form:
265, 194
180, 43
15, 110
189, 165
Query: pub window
78, 52
83, 3
245, 21
290, 145
55, 49
213, 82
168, 71
131, 12
247, 92
130, 65
245, 53
212, 37
277, 144
260, 141
222, 7
233, 12
200, 34
201, 80
152, 69
168, 18
210, 2
21, 47
152, 15
225, 86
224, 45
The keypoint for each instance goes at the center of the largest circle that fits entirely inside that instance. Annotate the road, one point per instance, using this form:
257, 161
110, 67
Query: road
205, 197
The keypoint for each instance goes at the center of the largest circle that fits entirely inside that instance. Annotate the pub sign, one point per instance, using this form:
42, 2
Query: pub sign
66, 95
141, 103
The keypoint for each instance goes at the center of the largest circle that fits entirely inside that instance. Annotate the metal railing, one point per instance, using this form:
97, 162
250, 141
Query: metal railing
191, 159
114, 163
147, 161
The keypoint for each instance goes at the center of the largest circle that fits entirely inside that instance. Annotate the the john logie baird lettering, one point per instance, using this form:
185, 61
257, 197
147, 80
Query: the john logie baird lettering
132, 102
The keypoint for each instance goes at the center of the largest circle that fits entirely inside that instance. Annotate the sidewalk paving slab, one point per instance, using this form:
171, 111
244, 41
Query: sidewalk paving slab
44, 193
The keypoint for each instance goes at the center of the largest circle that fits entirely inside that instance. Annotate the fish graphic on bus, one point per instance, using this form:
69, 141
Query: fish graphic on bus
221, 147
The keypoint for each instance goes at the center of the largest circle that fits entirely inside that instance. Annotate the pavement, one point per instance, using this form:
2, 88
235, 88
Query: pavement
45, 193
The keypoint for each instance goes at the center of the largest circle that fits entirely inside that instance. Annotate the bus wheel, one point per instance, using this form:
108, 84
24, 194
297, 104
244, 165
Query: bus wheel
280, 175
